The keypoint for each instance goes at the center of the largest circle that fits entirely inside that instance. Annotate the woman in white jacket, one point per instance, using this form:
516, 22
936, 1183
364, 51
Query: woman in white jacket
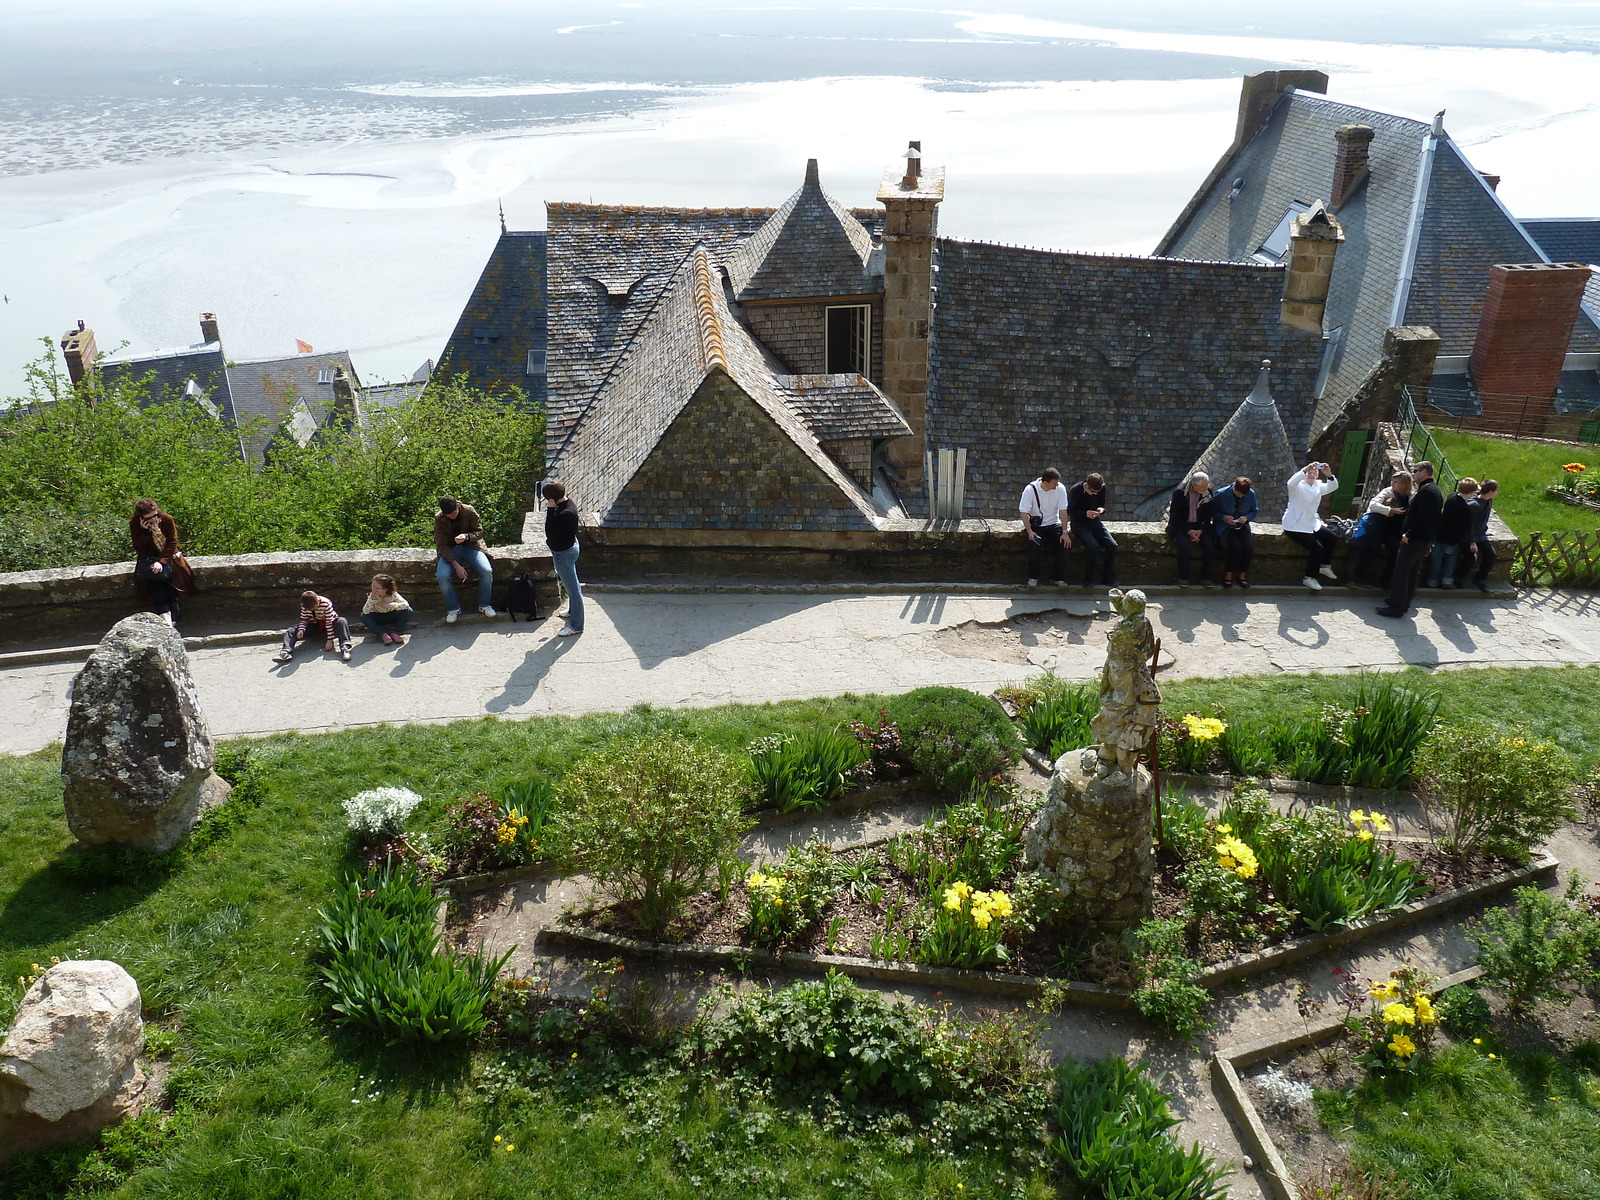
1302, 523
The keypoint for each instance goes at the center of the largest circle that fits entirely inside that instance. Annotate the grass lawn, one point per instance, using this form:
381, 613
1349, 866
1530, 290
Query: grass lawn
1524, 470
1518, 1126
276, 1102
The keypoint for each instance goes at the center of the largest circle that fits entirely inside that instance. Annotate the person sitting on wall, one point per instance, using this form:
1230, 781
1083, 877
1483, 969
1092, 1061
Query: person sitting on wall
1303, 523
458, 537
1455, 535
1086, 510
1043, 501
1236, 508
1190, 526
1386, 513
160, 572
386, 612
317, 615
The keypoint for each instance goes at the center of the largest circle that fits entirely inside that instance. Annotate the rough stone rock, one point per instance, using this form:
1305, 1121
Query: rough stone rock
69, 1066
138, 756
1107, 880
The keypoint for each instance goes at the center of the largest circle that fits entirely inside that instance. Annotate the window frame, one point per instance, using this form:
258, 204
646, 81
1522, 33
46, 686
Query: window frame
863, 335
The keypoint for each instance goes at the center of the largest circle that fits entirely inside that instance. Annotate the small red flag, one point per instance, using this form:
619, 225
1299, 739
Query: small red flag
302, 347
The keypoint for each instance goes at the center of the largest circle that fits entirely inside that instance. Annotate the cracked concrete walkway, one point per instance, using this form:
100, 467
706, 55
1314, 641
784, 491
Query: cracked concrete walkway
716, 648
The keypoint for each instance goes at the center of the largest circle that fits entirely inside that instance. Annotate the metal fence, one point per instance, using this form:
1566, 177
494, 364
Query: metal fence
1518, 418
1416, 443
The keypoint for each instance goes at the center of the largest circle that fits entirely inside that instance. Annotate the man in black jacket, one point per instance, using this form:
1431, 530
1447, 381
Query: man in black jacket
561, 535
1416, 540
1086, 510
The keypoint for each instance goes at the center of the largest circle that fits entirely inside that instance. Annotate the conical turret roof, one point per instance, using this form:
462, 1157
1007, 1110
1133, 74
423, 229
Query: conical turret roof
811, 246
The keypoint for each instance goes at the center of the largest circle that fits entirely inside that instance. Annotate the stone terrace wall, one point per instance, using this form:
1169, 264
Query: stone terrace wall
975, 551
34, 605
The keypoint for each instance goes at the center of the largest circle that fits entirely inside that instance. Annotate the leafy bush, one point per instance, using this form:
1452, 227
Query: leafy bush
1499, 792
1164, 976
788, 896
385, 967
1464, 1011
652, 821
379, 812
73, 466
881, 740
1248, 748
1058, 720
1116, 1136
1183, 823
1537, 951
805, 770
956, 738
1189, 743
970, 841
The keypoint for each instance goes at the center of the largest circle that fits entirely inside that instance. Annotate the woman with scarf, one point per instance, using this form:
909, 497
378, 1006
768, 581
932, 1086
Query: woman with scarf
160, 571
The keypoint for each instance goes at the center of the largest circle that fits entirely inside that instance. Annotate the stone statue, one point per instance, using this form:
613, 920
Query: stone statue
1093, 837
1129, 697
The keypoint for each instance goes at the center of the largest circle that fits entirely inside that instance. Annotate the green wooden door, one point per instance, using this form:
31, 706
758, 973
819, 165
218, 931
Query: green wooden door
1348, 469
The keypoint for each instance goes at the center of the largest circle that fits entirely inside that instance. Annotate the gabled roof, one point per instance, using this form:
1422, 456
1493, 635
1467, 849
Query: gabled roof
608, 266
271, 391
688, 337
1571, 240
1252, 443
1122, 365
840, 407
810, 247
503, 322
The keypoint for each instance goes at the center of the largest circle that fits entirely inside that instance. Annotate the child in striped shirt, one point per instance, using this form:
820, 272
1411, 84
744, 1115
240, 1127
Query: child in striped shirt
316, 613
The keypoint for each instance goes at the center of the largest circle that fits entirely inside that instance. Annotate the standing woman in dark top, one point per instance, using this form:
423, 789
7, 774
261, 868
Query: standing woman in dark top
561, 535
160, 573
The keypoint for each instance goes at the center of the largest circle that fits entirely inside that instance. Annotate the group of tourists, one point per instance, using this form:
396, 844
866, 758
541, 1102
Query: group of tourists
163, 576
1409, 535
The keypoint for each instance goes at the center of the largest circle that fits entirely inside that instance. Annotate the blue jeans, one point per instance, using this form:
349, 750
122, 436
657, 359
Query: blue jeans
566, 562
473, 560
380, 623
1442, 566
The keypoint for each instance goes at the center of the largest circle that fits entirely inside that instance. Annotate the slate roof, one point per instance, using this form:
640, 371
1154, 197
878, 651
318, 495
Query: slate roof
838, 407
503, 321
810, 247
1127, 366
688, 334
1383, 276
1574, 240
169, 371
269, 391
1252, 443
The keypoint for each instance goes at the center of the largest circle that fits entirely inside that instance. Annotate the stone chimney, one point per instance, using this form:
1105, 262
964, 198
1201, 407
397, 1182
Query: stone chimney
910, 197
209, 330
77, 347
1525, 328
344, 395
1260, 95
1493, 181
1349, 161
1314, 239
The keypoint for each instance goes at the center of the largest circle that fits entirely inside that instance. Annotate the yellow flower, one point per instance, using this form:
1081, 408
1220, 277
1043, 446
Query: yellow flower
981, 918
1381, 823
1399, 1014
1235, 856
1365, 835
1384, 991
961, 888
1224, 829
1494, 1056
1402, 1046
1477, 1041
778, 901
497, 1139
1424, 1007
509, 1147
1203, 729
952, 899
1358, 816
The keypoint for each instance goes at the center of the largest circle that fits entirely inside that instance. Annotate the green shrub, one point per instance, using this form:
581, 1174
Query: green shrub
653, 820
384, 965
1499, 792
525, 812
785, 898
1247, 748
1328, 872
970, 841
1116, 1137
1463, 1011
966, 928
1539, 949
956, 738
1164, 976
1183, 823
1058, 720
805, 770
1370, 742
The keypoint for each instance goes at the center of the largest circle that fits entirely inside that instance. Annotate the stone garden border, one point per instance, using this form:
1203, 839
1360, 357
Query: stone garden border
1226, 1064
594, 942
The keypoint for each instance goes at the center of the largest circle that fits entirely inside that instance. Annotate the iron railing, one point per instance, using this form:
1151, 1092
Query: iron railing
1416, 443
1518, 418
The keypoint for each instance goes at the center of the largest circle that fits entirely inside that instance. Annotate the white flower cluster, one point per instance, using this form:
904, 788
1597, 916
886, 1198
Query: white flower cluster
380, 811
1281, 1092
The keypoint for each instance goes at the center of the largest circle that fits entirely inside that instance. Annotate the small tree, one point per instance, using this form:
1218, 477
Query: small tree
1503, 793
1538, 950
652, 820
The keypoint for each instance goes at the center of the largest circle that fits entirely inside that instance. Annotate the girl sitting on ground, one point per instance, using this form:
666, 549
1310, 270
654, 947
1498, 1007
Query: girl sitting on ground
386, 612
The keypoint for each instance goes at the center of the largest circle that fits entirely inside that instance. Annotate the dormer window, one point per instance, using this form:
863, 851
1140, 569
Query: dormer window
849, 338
536, 363
1276, 246
325, 375
483, 337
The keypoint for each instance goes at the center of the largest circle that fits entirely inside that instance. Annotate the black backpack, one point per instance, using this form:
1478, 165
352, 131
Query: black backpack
522, 598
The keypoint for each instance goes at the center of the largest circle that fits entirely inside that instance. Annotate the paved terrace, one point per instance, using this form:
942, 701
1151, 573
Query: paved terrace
717, 646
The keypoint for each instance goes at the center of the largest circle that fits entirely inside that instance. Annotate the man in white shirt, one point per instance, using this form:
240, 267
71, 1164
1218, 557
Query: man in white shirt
1041, 507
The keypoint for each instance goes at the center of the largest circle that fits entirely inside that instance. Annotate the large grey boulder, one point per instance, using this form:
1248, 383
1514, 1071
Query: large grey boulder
1094, 838
138, 757
69, 1065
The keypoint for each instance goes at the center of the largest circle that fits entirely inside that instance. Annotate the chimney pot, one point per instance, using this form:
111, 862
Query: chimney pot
1350, 161
913, 157
209, 330
79, 352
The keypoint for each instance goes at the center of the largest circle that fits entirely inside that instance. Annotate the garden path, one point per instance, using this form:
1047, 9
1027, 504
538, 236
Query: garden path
718, 647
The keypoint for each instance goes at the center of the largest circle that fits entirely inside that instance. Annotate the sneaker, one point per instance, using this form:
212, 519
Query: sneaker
1326, 572
344, 652
1311, 582
1484, 588
1033, 583
450, 617
385, 638
282, 656
1227, 583
1183, 583
1060, 583
488, 611
1244, 583
1207, 583
569, 631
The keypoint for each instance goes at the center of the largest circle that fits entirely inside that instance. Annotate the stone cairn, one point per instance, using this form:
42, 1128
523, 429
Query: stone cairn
1094, 834
138, 758
69, 1065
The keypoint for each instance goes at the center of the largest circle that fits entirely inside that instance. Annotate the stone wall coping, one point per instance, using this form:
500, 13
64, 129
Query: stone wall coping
1271, 1170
